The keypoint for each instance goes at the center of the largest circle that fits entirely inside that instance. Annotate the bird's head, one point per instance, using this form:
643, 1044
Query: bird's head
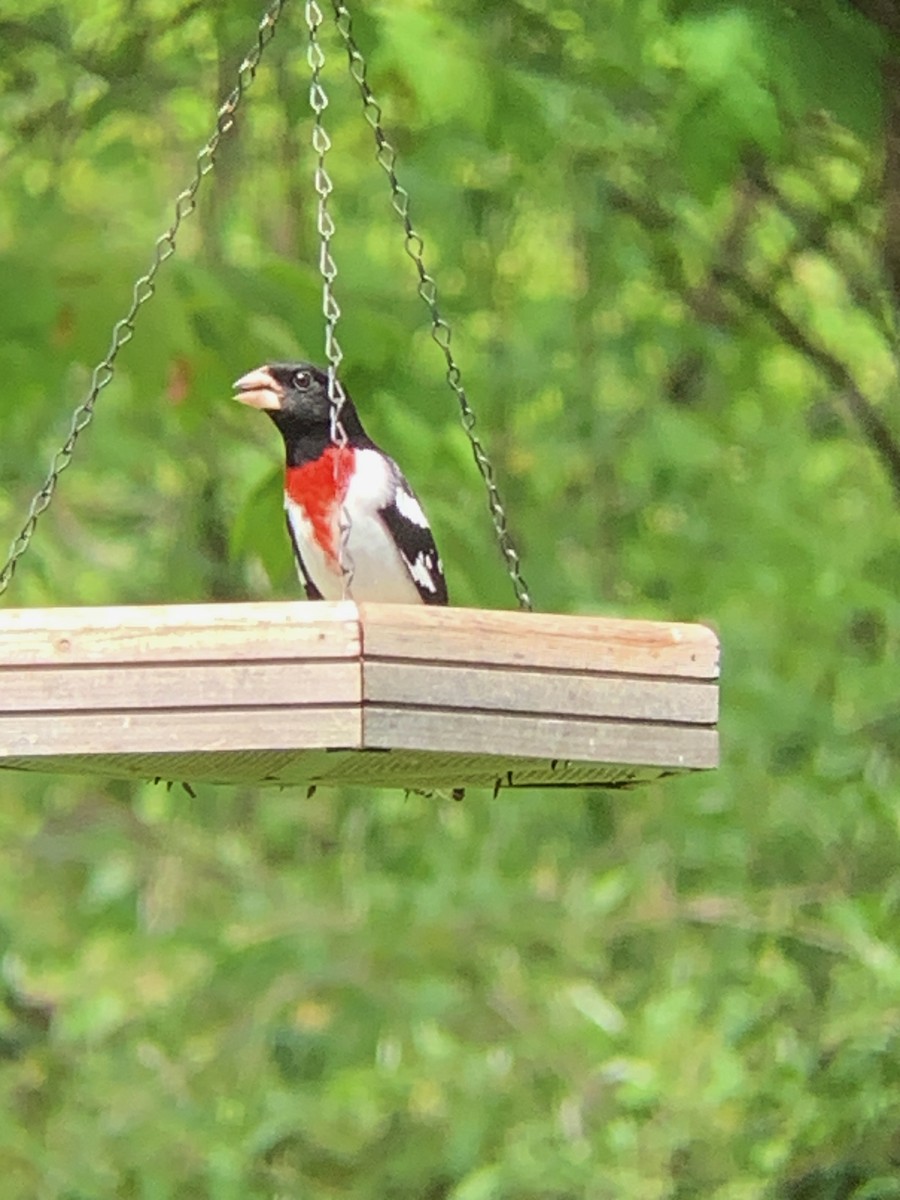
295, 396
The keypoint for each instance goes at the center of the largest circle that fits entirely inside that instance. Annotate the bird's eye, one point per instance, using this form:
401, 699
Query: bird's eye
302, 380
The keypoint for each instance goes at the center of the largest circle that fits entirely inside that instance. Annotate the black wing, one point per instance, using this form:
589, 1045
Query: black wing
415, 541
312, 592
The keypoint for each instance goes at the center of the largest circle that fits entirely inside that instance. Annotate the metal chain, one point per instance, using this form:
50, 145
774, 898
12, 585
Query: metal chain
145, 286
386, 156
321, 143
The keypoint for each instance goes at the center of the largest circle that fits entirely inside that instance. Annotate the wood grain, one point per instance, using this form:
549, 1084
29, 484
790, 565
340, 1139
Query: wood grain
420, 684
676, 746
478, 636
321, 682
42, 734
177, 633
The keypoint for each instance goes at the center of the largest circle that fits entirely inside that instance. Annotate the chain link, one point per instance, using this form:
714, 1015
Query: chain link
386, 156
334, 355
144, 288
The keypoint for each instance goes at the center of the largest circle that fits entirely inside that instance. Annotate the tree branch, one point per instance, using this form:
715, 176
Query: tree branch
654, 218
869, 285
880, 12
869, 421
890, 76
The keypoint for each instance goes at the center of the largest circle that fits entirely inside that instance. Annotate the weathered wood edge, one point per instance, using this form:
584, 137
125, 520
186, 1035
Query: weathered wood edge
179, 686
34, 735
291, 629
539, 640
179, 633
506, 689
506, 734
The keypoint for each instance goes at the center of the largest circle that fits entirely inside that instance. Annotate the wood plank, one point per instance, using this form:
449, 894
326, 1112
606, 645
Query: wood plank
188, 730
321, 682
546, 640
469, 687
636, 742
175, 633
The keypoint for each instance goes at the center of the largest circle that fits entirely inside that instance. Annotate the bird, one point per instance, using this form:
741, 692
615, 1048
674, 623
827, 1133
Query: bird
389, 554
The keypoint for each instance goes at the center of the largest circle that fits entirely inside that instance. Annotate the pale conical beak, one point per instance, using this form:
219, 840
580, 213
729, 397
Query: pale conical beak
259, 389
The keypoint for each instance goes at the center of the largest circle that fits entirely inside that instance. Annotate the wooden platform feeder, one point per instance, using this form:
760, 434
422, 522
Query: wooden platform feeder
381, 695
310, 693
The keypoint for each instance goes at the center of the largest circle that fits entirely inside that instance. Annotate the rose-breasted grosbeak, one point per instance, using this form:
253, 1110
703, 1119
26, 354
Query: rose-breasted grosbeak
390, 550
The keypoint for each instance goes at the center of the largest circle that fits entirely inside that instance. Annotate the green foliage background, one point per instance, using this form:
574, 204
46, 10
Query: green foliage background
657, 231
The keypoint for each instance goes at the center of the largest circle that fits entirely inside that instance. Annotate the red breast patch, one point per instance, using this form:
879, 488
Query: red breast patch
318, 488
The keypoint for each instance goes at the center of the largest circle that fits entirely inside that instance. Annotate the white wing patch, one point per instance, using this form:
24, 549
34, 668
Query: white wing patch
409, 507
422, 570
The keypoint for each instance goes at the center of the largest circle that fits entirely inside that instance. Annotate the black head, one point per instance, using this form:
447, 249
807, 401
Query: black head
295, 396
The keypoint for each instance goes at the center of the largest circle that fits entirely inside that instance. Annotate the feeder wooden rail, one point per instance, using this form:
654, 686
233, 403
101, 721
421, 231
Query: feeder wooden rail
381, 695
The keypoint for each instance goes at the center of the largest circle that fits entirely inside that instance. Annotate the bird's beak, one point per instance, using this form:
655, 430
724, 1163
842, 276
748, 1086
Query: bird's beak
259, 389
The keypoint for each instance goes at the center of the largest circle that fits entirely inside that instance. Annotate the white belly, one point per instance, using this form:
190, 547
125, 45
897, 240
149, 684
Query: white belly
376, 570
